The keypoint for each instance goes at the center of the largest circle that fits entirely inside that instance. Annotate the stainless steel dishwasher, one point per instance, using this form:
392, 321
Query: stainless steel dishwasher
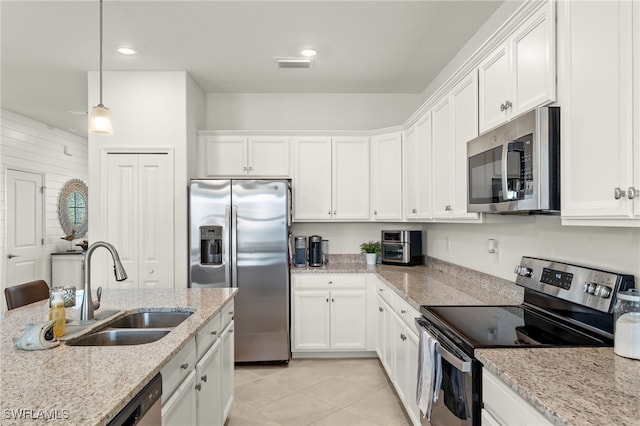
144, 409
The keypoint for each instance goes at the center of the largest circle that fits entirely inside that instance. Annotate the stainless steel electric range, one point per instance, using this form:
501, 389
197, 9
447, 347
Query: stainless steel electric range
564, 305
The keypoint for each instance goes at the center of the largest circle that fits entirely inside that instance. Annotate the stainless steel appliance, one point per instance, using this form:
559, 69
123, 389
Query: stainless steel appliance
401, 247
144, 409
300, 252
564, 305
239, 237
516, 167
315, 250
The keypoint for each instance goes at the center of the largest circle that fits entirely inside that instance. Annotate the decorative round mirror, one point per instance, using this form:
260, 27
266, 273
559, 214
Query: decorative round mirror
73, 208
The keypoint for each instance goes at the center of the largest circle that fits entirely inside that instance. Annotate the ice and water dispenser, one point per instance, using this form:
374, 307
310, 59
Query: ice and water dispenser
211, 245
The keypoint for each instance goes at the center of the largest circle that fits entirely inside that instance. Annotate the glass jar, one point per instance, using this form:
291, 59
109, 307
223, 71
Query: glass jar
626, 317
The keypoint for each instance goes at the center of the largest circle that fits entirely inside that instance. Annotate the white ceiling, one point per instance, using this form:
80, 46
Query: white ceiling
227, 46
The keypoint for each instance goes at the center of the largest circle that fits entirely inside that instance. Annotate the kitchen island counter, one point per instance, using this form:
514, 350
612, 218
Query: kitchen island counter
89, 385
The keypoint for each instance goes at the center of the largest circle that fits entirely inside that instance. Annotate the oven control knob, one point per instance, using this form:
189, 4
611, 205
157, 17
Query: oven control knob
523, 271
590, 288
603, 291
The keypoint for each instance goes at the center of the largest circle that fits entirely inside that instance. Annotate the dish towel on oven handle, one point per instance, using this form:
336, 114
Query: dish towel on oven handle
429, 373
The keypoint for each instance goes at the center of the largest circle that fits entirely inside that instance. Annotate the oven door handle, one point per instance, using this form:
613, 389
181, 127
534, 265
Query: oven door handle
463, 366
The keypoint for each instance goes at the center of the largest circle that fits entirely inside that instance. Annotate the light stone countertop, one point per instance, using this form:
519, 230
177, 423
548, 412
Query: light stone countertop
570, 386
90, 385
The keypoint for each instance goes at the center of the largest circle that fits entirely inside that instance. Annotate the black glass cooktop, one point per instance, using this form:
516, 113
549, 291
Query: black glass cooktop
506, 326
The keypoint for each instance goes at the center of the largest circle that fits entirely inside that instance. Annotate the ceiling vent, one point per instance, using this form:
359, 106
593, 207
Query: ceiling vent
294, 62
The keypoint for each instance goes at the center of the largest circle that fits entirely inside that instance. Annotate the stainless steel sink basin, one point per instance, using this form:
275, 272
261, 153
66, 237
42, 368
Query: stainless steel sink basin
150, 320
120, 336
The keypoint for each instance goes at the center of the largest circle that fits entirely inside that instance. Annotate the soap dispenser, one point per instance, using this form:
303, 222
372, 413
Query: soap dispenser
58, 314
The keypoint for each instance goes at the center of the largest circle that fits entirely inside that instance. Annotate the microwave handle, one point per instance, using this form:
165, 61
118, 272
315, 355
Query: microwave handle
505, 189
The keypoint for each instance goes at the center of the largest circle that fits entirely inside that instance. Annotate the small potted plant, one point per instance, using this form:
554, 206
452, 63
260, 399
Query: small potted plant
371, 251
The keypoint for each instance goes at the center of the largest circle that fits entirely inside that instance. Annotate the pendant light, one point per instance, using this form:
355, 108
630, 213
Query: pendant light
100, 118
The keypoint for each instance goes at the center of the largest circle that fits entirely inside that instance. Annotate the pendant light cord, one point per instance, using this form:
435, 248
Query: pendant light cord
101, 54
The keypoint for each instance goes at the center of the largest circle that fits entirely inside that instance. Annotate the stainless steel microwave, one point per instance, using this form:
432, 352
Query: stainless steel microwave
402, 248
515, 168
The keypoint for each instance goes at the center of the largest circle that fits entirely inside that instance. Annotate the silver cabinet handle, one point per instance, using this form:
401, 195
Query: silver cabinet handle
184, 366
380, 309
334, 212
329, 212
230, 312
250, 168
403, 337
381, 289
502, 107
327, 300
618, 193
204, 378
213, 333
11, 256
375, 212
633, 193
198, 387
402, 311
230, 330
332, 299
414, 210
244, 169
330, 282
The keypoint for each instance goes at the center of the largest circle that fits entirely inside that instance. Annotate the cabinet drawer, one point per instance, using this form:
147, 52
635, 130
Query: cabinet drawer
329, 281
208, 335
385, 292
226, 316
406, 312
178, 369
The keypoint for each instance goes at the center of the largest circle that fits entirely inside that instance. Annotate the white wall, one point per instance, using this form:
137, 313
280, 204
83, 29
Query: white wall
29, 145
149, 110
616, 249
308, 111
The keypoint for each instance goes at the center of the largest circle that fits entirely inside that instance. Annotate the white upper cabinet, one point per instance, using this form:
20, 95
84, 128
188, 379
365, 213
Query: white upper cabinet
600, 169
386, 177
259, 156
331, 178
455, 122
417, 169
520, 74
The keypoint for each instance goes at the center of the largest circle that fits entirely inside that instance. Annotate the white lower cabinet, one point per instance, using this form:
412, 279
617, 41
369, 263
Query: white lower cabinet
329, 312
197, 384
503, 406
384, 349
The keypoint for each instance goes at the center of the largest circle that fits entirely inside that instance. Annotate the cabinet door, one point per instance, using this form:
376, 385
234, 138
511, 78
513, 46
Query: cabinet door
312, 179
208, 381
225, 155
349, 319
636, 106
533, 61
268, 156
596, 80
494, 88
400, 357
442, 149
464, 127
411, 382
180, 409
350, 179
411, 164
227, 363
425, 183
311, 325
387, 177
382, 311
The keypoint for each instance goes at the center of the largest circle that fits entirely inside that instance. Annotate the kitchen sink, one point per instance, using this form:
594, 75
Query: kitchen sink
120, 336
150, 320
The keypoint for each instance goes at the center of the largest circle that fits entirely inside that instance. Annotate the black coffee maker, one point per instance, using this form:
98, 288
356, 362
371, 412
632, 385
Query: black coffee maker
315, 250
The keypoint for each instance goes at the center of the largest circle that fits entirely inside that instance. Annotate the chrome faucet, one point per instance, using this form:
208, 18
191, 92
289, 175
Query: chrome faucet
86, 311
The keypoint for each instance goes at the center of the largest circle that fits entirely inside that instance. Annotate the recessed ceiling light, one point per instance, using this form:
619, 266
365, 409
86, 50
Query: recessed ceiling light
125, 50
309, 53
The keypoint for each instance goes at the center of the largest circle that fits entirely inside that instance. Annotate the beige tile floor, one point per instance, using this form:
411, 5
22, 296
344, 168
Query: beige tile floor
327, 392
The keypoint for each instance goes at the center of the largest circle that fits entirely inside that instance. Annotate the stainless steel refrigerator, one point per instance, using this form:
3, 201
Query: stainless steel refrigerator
239, 237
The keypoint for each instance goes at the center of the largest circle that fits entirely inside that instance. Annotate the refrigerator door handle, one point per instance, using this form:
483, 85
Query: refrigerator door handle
227, 245
234, 246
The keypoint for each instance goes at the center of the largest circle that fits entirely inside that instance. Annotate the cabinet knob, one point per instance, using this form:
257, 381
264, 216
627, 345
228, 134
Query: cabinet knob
633, 193
403, 337
184, 366
381, 289
380, 309
402, 311
151, 271
198, 387
330, 282
214, 332
250, 168
505, 106
414, 210
327, 300
375, 212
204, 378
334, 212
329, 212
332, 299
244, 169
618, 193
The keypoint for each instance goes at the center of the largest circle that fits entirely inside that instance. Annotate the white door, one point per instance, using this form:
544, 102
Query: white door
350, 178
225, 155
268, 156
441, 159
387, 177
139, 191
311, 325
495, 89
349, 319
312, 178
25, 235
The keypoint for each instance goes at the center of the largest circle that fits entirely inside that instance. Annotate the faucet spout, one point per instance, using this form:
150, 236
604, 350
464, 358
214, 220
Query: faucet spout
86, 311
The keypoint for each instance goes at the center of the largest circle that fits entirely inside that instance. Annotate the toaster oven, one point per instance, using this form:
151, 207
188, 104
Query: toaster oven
402, 248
